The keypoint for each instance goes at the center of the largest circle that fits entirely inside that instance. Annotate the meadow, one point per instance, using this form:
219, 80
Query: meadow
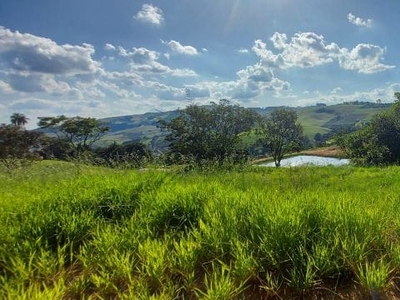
70, 231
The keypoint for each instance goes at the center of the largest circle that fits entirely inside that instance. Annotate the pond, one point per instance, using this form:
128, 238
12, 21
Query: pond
309, 160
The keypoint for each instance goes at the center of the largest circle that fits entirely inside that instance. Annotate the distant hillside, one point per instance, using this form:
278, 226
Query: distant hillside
314, 119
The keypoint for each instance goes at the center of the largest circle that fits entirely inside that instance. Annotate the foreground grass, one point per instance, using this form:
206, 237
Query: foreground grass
76, 232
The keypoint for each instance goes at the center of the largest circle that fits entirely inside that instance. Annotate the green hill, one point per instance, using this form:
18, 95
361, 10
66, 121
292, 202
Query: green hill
314, 119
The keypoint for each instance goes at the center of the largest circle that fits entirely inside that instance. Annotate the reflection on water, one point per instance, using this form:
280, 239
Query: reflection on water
308, 160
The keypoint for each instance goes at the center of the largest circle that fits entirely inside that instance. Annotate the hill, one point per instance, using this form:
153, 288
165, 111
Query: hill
320, 118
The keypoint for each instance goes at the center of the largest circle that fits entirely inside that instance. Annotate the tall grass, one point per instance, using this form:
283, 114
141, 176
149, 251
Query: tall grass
76, 232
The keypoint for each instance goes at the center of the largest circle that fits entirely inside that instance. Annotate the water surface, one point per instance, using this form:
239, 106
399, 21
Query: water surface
309, 160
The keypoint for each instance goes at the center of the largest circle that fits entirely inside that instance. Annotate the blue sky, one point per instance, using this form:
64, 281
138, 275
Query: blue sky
102, 58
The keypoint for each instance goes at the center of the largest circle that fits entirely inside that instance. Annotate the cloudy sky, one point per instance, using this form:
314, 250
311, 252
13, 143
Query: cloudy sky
102, 58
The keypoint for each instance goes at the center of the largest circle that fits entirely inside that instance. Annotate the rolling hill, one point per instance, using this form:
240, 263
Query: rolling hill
314, 119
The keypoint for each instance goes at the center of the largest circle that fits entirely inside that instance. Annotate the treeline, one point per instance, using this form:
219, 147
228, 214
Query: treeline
218, 134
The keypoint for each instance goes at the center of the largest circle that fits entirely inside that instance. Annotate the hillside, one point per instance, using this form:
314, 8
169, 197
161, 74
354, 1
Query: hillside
314, 119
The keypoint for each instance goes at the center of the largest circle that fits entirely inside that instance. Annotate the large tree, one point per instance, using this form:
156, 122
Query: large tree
80, 133
281, 133
204, 133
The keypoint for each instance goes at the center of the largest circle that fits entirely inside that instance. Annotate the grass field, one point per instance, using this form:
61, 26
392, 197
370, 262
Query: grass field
76, 232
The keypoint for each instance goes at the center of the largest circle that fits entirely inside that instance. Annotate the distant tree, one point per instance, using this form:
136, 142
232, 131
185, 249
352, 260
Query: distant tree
58, 148
318, 139
17, 143
80, 133
132, 154
18, 119
205, 133
281, 133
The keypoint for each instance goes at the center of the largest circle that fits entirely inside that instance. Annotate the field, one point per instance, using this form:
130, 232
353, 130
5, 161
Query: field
70, 231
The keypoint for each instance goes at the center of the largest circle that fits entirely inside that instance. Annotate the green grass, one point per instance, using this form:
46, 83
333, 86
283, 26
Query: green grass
75, 232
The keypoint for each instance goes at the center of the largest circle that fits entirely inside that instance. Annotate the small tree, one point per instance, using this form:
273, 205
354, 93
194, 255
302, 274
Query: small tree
281, 133
18, 119
80, 133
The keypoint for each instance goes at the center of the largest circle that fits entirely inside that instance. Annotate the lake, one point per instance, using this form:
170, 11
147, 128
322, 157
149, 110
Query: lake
309, 160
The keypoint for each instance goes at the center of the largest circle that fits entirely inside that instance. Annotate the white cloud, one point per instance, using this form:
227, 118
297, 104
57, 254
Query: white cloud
364, 58
243, 50
358, 21
109, 47
179, 48
5, 87
33, 54
145, 61
150, 14
267, 57
279, 40
337, 90
52, 86
183, 73
307, 50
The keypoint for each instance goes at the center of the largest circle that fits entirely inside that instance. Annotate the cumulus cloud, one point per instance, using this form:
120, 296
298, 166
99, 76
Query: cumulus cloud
305, 49
145, 61
179, 48
29, 53
364, 58
150, 14
358, 21
267, 57
308, 49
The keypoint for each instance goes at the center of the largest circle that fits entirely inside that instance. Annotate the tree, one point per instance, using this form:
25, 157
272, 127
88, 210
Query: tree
18, 119
378, 143
281, 133
205, 133
80, 133
132, 154
17, 143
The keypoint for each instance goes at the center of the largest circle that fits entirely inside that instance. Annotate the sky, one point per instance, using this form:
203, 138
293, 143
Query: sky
104, 58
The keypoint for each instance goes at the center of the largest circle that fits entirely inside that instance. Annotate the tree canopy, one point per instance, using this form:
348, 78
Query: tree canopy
18, 119
204, 133
281, 133
80, 133
378, 143
17, 143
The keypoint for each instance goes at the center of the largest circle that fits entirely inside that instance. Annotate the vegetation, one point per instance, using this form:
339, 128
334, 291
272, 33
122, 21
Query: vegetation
128, 155
377, 143
18, 119
19, 146
281, 133
202, 133
325, 120
76, 232
80, 133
